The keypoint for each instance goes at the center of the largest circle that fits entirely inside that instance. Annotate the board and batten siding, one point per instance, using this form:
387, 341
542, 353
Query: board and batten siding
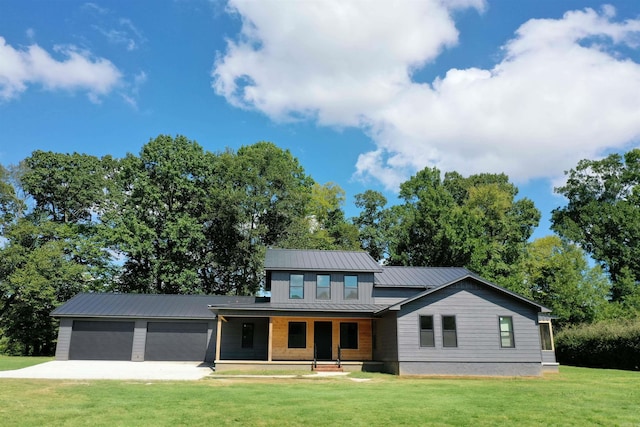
280, 287
231, 339
476, 308
390, 296
64, 339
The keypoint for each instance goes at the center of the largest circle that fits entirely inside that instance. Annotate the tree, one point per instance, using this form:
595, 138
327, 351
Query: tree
372, 223
603, 215
473, 222
157, 225
558, 276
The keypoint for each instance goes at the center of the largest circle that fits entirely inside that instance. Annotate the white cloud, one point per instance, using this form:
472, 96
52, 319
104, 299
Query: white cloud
563, 90
77, 71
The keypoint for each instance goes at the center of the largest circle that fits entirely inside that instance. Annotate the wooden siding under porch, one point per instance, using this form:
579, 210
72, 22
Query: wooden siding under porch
278, 339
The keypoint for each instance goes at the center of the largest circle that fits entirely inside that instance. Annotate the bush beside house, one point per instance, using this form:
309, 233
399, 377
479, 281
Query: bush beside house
613, 344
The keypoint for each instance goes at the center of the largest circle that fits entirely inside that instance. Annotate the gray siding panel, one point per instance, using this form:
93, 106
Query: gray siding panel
231, 345
548, 356
280, 288
101, 340
211, 341
476, 308
386, 339
179, 341
462, 368
139, 340
390, 296
64, 339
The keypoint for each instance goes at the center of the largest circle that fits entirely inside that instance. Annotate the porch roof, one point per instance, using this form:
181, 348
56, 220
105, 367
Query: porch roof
293, 308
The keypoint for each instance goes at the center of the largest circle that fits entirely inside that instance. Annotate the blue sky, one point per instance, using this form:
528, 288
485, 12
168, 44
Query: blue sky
363, 93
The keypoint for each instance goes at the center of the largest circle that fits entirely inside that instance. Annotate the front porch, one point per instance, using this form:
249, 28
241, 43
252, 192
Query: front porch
293, 342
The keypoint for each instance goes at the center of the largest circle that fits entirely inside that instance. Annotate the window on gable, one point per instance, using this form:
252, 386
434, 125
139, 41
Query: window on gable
506, 332
296, 286
449, 332
349, 335
323, 286
247, 335
546, 341
350, 287
297, 335
427, 338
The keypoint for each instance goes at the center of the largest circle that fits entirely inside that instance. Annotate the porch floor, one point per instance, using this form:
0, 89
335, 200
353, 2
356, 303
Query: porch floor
256, 365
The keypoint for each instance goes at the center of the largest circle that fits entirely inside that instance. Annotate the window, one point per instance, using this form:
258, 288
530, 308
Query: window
296, 286
247, 335
323, 286
546, 341
426, 332
349, 335
506, 332
449, 334
350, 287
297, 334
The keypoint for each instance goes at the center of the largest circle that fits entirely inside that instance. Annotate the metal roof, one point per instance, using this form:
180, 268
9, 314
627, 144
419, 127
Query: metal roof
301, 307
418, 277
320, 260
144, 305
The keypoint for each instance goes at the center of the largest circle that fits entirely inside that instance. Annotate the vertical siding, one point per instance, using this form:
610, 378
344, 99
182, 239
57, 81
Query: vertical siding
390, 296
280, 287
210, 354
231, 340
64, 339
476, 308
139, 340
387, 341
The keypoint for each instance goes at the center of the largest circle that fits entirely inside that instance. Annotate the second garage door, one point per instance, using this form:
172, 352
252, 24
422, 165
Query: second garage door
180, 341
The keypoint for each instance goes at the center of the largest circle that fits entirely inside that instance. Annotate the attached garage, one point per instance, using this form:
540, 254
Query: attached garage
101, 340
180, 341
139, 327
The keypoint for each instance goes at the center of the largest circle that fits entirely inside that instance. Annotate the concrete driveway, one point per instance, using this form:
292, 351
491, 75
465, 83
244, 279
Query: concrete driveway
112, 370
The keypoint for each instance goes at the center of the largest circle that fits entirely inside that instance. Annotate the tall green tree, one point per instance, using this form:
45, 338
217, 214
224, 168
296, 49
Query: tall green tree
603, 215
557, 275
474, 222
372, 223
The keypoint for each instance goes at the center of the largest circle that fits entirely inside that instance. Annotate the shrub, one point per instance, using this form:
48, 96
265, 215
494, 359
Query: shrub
611, 344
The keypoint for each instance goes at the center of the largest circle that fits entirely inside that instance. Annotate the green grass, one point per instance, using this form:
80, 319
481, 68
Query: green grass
9, 363
575, 397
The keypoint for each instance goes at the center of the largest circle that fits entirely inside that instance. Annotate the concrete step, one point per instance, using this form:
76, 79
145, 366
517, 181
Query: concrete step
327, 368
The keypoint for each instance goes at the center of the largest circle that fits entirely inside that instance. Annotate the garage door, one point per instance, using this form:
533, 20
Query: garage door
94, 340
176, 341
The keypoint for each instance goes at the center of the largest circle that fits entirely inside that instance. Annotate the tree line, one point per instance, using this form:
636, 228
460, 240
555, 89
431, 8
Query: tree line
179, 219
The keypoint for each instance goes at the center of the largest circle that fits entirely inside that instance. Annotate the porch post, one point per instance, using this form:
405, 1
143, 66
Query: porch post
218, 337
270, 344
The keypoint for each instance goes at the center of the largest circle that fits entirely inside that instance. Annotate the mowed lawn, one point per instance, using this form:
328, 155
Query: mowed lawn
575, 397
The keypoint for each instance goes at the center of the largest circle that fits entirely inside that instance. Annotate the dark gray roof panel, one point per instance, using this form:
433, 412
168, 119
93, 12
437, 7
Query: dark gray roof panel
144, 305
320, 260
418, 277
308, 307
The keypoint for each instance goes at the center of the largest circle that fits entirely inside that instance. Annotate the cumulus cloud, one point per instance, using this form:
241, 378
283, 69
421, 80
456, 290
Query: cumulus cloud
77, 71
560, 92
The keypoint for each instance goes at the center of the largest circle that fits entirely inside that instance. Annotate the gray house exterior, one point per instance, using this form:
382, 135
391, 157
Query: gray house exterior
326, 308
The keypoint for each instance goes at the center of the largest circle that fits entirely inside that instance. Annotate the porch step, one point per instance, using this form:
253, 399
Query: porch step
327, 368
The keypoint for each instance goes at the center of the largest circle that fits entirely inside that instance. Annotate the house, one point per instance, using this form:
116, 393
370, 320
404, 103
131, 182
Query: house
326, 308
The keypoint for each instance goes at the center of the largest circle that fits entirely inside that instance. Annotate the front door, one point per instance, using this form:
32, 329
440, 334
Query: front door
322, 337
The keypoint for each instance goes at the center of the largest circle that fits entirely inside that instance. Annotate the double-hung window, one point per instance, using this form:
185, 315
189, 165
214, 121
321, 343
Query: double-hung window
426, 332
323, 286
506, 332
350, 287
296, 286
449, 332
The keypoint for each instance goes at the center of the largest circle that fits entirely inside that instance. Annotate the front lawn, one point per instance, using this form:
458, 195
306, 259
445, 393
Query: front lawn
575, 397
9, 363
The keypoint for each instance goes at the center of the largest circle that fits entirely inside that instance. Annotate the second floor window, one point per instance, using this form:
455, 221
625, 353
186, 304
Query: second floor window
350, 287
296, 286
323, 286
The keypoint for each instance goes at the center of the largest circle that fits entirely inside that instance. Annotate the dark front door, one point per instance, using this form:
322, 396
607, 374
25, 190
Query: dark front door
322, 337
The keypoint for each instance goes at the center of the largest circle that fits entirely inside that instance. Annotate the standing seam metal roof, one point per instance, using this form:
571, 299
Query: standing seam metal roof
320, 260
145, 305
418, 277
